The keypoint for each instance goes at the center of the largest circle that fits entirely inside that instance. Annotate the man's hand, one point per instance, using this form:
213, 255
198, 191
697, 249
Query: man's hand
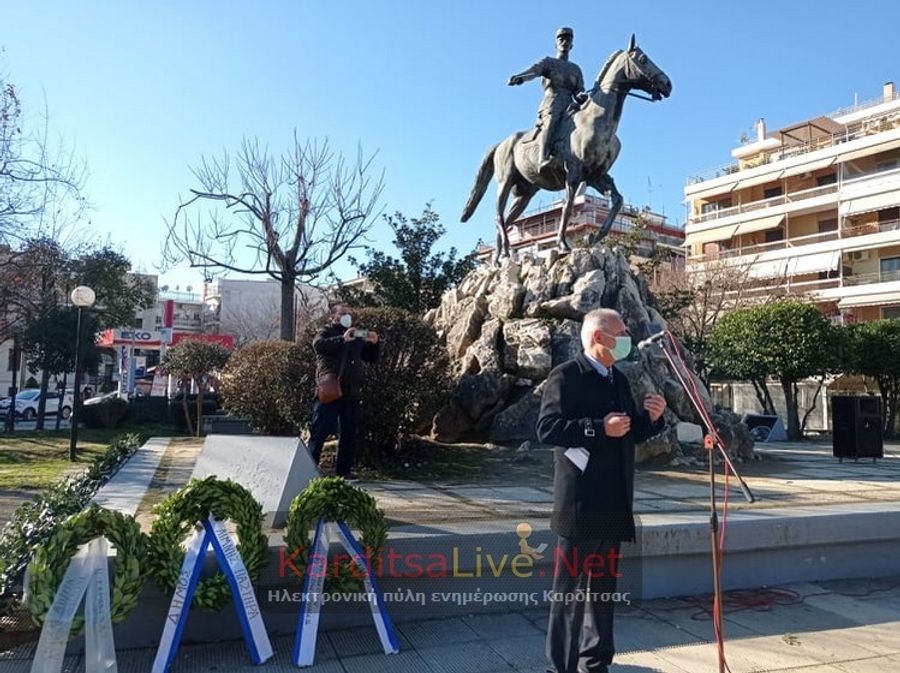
348, 335
616, 424
373, 337
655, 406
515, 80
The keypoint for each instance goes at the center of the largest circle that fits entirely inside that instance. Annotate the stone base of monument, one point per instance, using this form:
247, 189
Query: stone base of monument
764, 548
273, 469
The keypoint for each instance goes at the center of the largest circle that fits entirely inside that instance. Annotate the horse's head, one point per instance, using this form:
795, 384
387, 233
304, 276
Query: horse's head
633, 69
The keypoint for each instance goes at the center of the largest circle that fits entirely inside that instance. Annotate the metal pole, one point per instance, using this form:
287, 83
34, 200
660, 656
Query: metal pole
11, 416
76, 397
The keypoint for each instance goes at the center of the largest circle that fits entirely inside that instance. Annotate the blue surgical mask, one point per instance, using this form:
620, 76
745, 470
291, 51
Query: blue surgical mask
622, 349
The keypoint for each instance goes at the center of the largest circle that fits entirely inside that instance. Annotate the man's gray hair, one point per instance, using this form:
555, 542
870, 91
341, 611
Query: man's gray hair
599, 318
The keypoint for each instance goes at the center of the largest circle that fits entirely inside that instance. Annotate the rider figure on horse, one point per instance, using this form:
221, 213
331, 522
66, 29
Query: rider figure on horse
563, 86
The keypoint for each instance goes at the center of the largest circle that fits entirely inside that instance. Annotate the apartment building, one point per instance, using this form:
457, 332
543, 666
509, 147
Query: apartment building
535, 231
812, 209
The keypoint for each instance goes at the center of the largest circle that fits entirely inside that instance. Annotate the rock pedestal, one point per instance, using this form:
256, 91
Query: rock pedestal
506, 327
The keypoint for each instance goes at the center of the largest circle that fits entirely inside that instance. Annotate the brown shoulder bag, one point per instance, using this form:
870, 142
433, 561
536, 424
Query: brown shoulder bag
328, 386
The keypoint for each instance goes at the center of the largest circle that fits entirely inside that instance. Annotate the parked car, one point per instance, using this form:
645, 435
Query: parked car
27, 402
100, 399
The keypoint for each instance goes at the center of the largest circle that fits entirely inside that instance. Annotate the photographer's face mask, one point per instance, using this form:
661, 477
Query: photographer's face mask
346, 320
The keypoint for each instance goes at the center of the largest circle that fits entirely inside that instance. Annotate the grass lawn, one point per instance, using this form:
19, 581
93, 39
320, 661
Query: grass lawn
34, 460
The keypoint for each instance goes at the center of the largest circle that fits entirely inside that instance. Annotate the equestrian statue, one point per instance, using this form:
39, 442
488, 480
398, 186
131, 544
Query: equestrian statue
574, 142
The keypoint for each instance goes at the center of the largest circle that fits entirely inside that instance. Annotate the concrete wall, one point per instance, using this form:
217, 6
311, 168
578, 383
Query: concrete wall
741, 398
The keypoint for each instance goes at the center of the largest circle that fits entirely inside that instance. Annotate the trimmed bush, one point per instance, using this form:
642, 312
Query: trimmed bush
175, 410
273, 384
148, 410
406, 386
107, 414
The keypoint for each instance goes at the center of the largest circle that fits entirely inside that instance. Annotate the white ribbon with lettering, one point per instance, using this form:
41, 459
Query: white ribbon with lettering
249, 615
311, 599
87, 576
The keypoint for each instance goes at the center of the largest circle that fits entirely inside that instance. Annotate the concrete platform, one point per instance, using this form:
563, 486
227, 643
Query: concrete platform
815, 520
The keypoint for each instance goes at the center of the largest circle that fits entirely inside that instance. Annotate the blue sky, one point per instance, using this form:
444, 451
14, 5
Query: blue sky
144, 89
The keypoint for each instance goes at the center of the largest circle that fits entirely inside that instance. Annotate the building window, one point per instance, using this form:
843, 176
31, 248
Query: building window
890, 311
889, 214
831, 224
159, 320
829, 179
890, 266
772, 192
773, 235
139, 323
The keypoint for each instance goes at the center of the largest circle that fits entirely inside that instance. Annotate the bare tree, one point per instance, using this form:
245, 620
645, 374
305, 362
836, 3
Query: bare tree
289, 217
693, 300
41, 180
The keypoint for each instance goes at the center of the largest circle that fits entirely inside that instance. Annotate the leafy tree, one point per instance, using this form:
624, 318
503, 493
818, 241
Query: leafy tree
874, 350
789, 340
40, 278
289, 217
416, 280
193, 360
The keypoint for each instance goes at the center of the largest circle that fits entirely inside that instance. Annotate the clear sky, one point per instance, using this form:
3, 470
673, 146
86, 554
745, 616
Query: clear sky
145, 89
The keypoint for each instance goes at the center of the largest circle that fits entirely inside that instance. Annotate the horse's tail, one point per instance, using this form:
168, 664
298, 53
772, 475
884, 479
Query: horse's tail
485, 173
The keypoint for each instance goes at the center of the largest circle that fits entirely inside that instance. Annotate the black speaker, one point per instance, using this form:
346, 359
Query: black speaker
856, 426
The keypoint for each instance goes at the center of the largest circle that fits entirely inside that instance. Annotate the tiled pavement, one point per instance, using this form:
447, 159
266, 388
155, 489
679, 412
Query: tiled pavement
829, 627
790, 474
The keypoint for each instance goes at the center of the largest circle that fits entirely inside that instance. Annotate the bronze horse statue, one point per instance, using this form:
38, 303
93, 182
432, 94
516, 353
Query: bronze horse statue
585, 147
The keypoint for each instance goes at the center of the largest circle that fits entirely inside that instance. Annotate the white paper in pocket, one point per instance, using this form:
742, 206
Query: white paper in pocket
579, 457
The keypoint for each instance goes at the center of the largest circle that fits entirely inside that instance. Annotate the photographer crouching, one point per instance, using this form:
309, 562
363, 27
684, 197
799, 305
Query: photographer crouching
341, 348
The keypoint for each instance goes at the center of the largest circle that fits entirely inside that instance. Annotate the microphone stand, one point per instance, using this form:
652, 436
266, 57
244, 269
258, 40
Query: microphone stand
713, 443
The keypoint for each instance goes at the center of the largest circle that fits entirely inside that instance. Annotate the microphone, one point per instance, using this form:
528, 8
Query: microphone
652, 339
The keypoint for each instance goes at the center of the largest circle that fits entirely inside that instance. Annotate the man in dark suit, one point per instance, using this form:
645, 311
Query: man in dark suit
590, 415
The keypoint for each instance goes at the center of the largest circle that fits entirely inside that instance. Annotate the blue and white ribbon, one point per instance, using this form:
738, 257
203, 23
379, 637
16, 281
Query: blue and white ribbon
313, 583
87, 576
249, 615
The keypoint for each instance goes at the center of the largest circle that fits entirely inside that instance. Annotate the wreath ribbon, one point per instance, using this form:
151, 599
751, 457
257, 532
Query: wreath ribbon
213, 533
87, 573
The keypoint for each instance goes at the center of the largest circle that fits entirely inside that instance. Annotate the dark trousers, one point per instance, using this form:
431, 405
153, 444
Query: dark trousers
325, 421
580, 630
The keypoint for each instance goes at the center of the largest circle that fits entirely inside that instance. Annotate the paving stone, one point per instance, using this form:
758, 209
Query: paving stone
360, 640
522, 652
437, 632
402, 662
501, 626
474, 657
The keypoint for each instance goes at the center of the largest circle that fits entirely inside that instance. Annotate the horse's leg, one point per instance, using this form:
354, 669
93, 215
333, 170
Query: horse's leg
502, 239
607, 185
523, 194
573, 182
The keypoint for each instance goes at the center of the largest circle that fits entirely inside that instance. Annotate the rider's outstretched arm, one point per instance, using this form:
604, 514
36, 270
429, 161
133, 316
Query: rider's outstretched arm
537, 70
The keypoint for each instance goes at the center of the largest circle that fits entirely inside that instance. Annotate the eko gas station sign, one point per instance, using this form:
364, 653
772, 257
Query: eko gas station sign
155, 339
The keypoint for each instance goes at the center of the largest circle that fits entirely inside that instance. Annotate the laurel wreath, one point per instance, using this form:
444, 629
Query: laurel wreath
335, 500
182, 512
51, 560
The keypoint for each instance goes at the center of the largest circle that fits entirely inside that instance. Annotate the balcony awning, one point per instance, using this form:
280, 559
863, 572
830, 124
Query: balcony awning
760, 224
709, 235
722, 189
870, 150
882, 299
758, 180
815, 263
866, 204
808, 167
774, 268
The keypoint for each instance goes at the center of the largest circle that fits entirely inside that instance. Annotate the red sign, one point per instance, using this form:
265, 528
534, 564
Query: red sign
169, 313
151, 340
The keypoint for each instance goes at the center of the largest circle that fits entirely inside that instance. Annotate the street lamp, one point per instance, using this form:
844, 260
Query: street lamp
83, 297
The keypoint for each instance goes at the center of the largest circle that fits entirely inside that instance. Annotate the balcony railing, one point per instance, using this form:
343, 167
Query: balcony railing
876, 277
871, 228
766, 203
861, 129
760, 248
